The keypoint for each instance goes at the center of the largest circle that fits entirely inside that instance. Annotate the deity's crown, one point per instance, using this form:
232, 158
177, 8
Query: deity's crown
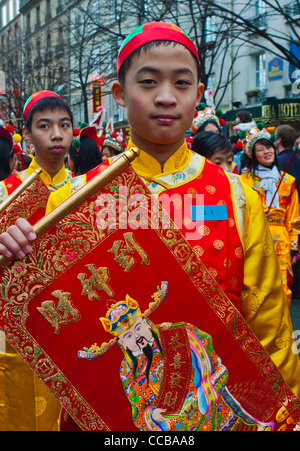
122, 315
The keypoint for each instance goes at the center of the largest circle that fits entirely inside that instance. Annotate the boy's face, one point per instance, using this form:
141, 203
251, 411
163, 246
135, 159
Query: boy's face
224, 159
51, 134
160, 93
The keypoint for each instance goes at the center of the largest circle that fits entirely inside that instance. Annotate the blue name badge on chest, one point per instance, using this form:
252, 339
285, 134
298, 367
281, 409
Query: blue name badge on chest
209, 212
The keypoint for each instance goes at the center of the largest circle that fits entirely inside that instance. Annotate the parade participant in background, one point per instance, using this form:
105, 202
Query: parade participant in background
215, 147
8, 156
244, 117
265, 178
285, 144
49, 127
207, 119
84, 153
244, 122
297, 143
113, 144
25, 403
158, 84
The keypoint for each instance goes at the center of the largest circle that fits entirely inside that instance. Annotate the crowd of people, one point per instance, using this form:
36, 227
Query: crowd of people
259, 174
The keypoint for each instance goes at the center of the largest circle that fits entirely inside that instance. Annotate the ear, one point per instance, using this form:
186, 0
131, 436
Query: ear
27, 135
200, 90
118, 93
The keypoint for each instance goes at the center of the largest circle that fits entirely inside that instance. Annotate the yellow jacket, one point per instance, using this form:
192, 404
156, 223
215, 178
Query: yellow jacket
25, 403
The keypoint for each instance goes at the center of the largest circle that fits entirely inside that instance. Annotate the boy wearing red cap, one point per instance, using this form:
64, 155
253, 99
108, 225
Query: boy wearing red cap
158, 84
25, 404
49, 128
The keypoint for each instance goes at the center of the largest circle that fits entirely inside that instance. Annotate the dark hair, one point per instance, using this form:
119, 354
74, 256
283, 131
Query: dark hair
48, 103
88, 156
244, 116
207, 143
125, 66
253, 163
203, 126
287, 134
111, 149
5, 155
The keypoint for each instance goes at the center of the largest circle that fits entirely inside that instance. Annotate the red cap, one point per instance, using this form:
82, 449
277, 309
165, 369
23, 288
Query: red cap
4, 133
91, 132
154, 31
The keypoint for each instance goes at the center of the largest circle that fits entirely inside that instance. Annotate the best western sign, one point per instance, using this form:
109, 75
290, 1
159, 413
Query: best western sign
275, 69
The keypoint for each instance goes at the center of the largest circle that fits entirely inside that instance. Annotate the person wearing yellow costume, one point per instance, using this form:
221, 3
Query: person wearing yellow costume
159, 86
274, 186
25, 403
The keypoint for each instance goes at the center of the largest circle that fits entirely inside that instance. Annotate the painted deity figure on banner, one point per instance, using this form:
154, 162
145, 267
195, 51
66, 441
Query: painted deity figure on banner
171, 374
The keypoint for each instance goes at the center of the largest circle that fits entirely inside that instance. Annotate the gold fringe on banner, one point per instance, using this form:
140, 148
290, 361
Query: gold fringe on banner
17, 192
80, 196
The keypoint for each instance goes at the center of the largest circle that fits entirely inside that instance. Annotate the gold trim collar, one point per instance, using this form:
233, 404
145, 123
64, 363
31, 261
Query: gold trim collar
149, 168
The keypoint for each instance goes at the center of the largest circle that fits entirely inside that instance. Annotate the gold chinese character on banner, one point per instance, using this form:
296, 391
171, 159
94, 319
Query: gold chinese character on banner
98, 280
170, 399
121, 249
177, 362
176, 380
62, 313
175, 343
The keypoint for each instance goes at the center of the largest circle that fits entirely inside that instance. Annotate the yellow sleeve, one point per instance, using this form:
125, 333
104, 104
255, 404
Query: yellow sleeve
57, 197
263, 301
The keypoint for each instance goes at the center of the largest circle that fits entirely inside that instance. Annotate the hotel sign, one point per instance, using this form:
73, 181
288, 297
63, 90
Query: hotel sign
281, 110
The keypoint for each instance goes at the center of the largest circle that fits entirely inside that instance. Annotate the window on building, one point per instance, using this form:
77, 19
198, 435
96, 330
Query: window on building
48, 41
61, 34
260, 7
211, 82
37, 13
17, 32
260, 13
8, 39
28, 22
210, 29
48, 8
4, 15
261, 71
11, 10
117, 6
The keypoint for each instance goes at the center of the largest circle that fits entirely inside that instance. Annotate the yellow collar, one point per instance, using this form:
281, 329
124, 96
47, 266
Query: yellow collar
148, 167
46, 178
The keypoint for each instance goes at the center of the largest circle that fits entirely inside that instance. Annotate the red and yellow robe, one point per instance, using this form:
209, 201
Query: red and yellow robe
238, 252
284, 237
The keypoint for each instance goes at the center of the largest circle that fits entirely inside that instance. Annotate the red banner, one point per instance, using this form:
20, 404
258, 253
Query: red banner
126, 327
31, 205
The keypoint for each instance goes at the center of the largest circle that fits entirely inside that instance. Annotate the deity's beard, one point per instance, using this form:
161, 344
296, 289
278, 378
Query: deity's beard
148, 353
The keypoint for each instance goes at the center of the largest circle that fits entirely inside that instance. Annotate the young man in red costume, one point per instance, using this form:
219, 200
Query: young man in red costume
158, 84
49, 128
25, 404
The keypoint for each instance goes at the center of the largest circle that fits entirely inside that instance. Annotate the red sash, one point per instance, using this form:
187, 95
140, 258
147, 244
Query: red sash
12, 182
52, 300
223, 257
